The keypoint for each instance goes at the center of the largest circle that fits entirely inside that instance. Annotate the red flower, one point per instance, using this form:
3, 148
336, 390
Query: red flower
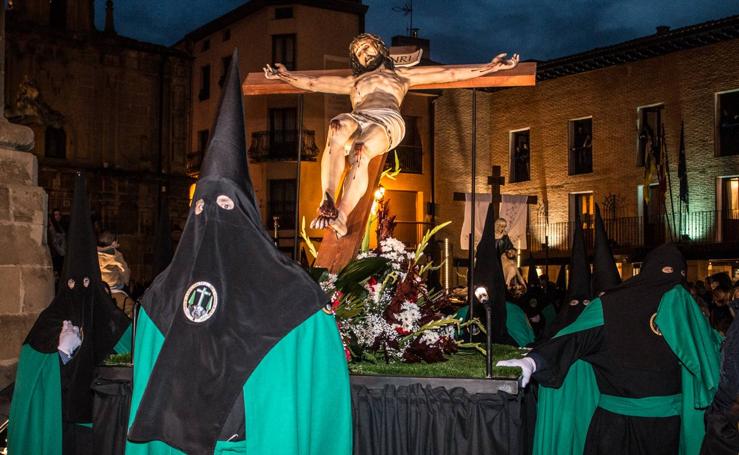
336, 300
401, 331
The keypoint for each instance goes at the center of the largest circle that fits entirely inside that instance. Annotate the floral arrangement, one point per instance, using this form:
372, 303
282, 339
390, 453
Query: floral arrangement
384, 310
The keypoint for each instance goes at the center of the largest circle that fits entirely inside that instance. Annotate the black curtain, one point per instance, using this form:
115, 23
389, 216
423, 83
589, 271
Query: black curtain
418, 420
112, 389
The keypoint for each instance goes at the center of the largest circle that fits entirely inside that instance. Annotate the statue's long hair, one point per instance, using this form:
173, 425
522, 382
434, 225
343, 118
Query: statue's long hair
383, 58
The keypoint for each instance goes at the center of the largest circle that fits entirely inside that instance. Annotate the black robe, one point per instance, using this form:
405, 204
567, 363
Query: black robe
629, 357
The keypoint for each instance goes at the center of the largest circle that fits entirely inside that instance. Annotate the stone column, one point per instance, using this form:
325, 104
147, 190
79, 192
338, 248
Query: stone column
26, 276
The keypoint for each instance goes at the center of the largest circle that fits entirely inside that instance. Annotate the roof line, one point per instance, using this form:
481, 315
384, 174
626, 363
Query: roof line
661, 43
252, 6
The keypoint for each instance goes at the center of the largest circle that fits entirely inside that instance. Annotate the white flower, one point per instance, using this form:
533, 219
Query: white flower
392, 245
371, 328
329, 283
366, 254
409, 316
430, 337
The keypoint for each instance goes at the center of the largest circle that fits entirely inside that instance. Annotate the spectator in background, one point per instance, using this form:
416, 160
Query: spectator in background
57, 240
721, 314
114, 271
722, 418
701, 291
699, 300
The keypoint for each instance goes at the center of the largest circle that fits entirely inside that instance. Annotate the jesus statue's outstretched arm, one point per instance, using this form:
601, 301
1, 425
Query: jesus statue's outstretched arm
440, 74
340, 85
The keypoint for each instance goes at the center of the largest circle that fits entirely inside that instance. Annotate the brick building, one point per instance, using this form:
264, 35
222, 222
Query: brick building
295, 34
582, 135
112, 106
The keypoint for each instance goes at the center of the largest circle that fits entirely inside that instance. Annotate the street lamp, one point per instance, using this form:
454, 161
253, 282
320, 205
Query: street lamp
481, 294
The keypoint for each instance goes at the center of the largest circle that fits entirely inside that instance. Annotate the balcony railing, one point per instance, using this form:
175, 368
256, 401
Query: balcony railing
282, 145
696, 228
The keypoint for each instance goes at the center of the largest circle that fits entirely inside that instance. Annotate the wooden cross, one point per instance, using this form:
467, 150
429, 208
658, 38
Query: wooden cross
496, 180
334, 253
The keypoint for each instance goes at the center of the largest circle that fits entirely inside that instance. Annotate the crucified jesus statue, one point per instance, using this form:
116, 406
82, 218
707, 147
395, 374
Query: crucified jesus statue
374, 127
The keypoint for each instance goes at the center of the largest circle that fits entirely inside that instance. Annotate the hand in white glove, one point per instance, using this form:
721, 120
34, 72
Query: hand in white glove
69, 338
527, 366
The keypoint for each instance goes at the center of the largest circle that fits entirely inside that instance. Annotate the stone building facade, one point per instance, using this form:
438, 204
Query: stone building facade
303, 35
586, 128
111, 106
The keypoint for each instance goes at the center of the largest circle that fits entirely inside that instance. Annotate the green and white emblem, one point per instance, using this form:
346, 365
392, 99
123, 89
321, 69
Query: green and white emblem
200, 301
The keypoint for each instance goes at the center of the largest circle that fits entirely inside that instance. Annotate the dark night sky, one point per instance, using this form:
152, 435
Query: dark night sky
461, 31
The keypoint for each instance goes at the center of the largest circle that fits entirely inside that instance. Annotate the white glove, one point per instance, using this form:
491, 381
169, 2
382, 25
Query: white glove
527, 366
69, 338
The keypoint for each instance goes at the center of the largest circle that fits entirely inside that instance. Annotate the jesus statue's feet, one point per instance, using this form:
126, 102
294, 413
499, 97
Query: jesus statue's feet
339, 225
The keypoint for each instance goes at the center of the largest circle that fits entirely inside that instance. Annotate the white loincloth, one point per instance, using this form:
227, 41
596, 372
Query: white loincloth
388, 119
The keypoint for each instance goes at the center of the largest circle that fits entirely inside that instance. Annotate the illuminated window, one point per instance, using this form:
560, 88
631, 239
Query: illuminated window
650, 132
584, 204
520, 151
190, 193
581, 146
727, 123
730, 197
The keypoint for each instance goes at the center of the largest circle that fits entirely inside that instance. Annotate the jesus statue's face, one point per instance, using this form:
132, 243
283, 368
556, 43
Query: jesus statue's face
366, 51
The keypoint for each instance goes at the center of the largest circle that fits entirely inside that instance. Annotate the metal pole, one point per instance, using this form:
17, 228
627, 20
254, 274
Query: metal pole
489, 340
471, 269
296, 243
669, 184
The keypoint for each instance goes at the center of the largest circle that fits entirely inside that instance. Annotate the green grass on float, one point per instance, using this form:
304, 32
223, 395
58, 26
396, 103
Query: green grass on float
463, 364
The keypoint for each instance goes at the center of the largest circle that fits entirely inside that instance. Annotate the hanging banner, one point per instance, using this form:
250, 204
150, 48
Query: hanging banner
514, 209
482, 202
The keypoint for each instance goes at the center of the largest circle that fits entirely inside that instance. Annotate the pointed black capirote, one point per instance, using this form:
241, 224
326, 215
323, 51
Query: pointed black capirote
533, 277
561, 283
489, 274
605, 272
579, 285
226, 154
227, 297
163, 236
81, 258
82, 299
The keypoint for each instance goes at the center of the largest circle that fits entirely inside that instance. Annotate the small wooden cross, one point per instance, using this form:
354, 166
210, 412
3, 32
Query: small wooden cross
495, 180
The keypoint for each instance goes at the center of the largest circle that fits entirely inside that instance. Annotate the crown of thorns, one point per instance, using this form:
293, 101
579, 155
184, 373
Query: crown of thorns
372, 37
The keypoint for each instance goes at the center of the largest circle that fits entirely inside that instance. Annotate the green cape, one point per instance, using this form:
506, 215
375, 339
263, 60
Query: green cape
550, 314
517, 323
297, 400
35, 425
564, 414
